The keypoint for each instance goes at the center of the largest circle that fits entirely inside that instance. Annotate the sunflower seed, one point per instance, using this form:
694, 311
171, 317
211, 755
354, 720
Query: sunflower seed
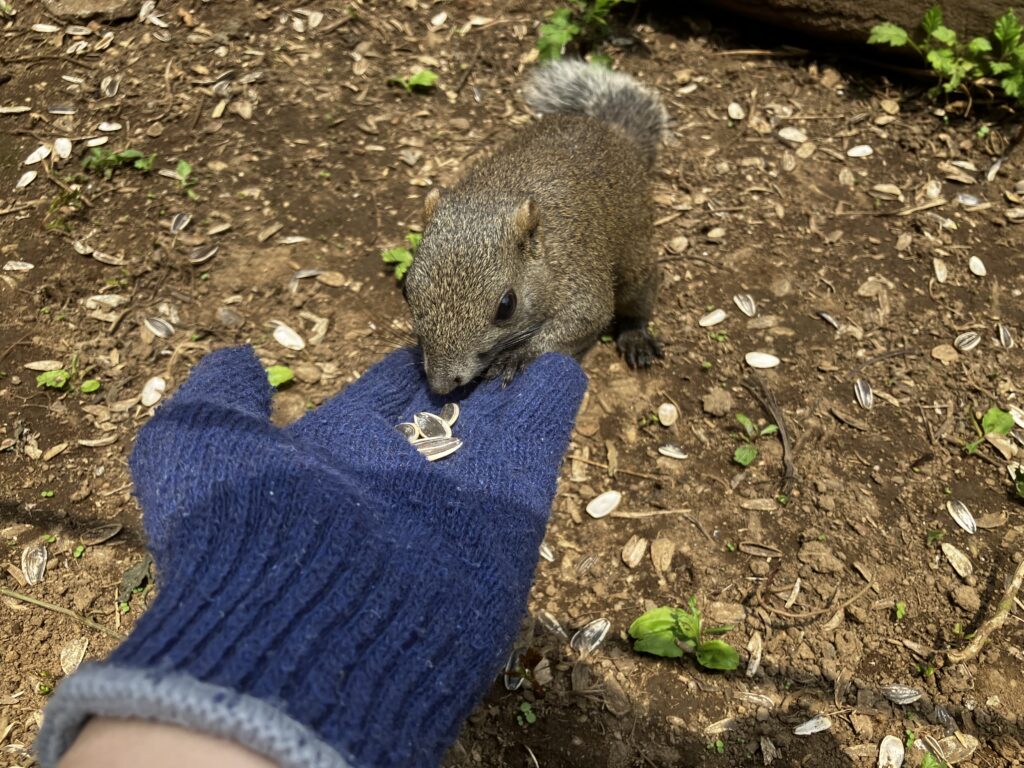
26, 178
109, 127
961, 515
450, 413
62, 109
108, 258
735, 111
761, 360
100, 534
18, 266
431, 426
44, 365
668, 414
77, 30
587, 639
546, 552
1005, 336
745, 303
861, 150
152, 391
634, 550
179, 222
755, 648
46, 29
604, 505
71, 655
713, 317
672, 450
956, 748
434, 448
551, 624
966, 341
814, 725
109, 86
288, 338
865, 396
62, 148
33, 563
15, 109
97, 141
967, 200
411, 432
901, 694
960, 562
38, 154
514, 665
977, 266
829, 319
159, 327
792, 135
890, 753
202, 254
941, 273
1018, 415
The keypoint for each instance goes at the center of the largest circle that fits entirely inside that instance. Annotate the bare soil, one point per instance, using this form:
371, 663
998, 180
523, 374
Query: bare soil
304, 157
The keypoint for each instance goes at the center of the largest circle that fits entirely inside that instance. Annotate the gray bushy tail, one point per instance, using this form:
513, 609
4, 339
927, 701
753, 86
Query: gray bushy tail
575, 87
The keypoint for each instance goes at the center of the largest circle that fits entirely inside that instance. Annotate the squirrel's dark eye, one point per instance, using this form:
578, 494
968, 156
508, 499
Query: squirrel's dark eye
506, 307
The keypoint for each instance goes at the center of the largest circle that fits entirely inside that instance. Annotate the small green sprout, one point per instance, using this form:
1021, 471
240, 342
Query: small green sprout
105, 162
53, 379
745, 453
901, 610
47, 494
90, 385
995, 422
424, 79
278, 375
78, 551
669, 632
402, 257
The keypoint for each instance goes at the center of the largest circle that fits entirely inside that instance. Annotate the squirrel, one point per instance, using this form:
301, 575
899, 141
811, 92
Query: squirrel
539, 247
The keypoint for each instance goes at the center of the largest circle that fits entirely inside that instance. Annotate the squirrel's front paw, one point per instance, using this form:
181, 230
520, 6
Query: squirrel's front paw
506, 369
639, 347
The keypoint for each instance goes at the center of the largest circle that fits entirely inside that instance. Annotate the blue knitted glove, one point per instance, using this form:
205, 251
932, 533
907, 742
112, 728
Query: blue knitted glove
327, 596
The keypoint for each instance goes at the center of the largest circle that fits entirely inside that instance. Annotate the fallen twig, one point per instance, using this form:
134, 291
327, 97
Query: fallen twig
58, 609
764, 396
602, 465
829, 609
992, 623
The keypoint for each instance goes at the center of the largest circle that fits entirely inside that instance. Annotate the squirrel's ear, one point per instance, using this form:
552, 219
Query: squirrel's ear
527, 217
430, 202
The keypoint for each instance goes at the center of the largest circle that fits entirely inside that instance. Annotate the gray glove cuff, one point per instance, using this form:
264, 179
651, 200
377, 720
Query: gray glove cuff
104, 690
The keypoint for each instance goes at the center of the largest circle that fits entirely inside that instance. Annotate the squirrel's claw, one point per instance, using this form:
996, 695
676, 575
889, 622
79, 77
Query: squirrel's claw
639, 347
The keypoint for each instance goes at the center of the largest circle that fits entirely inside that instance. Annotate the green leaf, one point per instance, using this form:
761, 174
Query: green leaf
893, 34
425, 78
278, 375
1018, 482
944, 35
557, 33
1007, 30
1013, 86
931, 20
717, 654
930, 761
78, 551
659, 644
183, 170
942, 61
658, 620
718, 630
145, 164
53, 379
401, 258
901, 610
745, 454
748, 425
46, 494
771, 429
1000, 67
414, 239
996, 422
979, 45
129, 154
90, 385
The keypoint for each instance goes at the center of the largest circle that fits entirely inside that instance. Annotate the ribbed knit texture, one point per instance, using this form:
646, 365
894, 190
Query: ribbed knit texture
328, 569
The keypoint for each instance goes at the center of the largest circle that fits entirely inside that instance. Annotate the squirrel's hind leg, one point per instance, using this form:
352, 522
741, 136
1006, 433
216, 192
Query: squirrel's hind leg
633, 309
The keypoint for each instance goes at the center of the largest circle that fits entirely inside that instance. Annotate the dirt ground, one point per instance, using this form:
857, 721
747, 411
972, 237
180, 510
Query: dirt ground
305, 158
